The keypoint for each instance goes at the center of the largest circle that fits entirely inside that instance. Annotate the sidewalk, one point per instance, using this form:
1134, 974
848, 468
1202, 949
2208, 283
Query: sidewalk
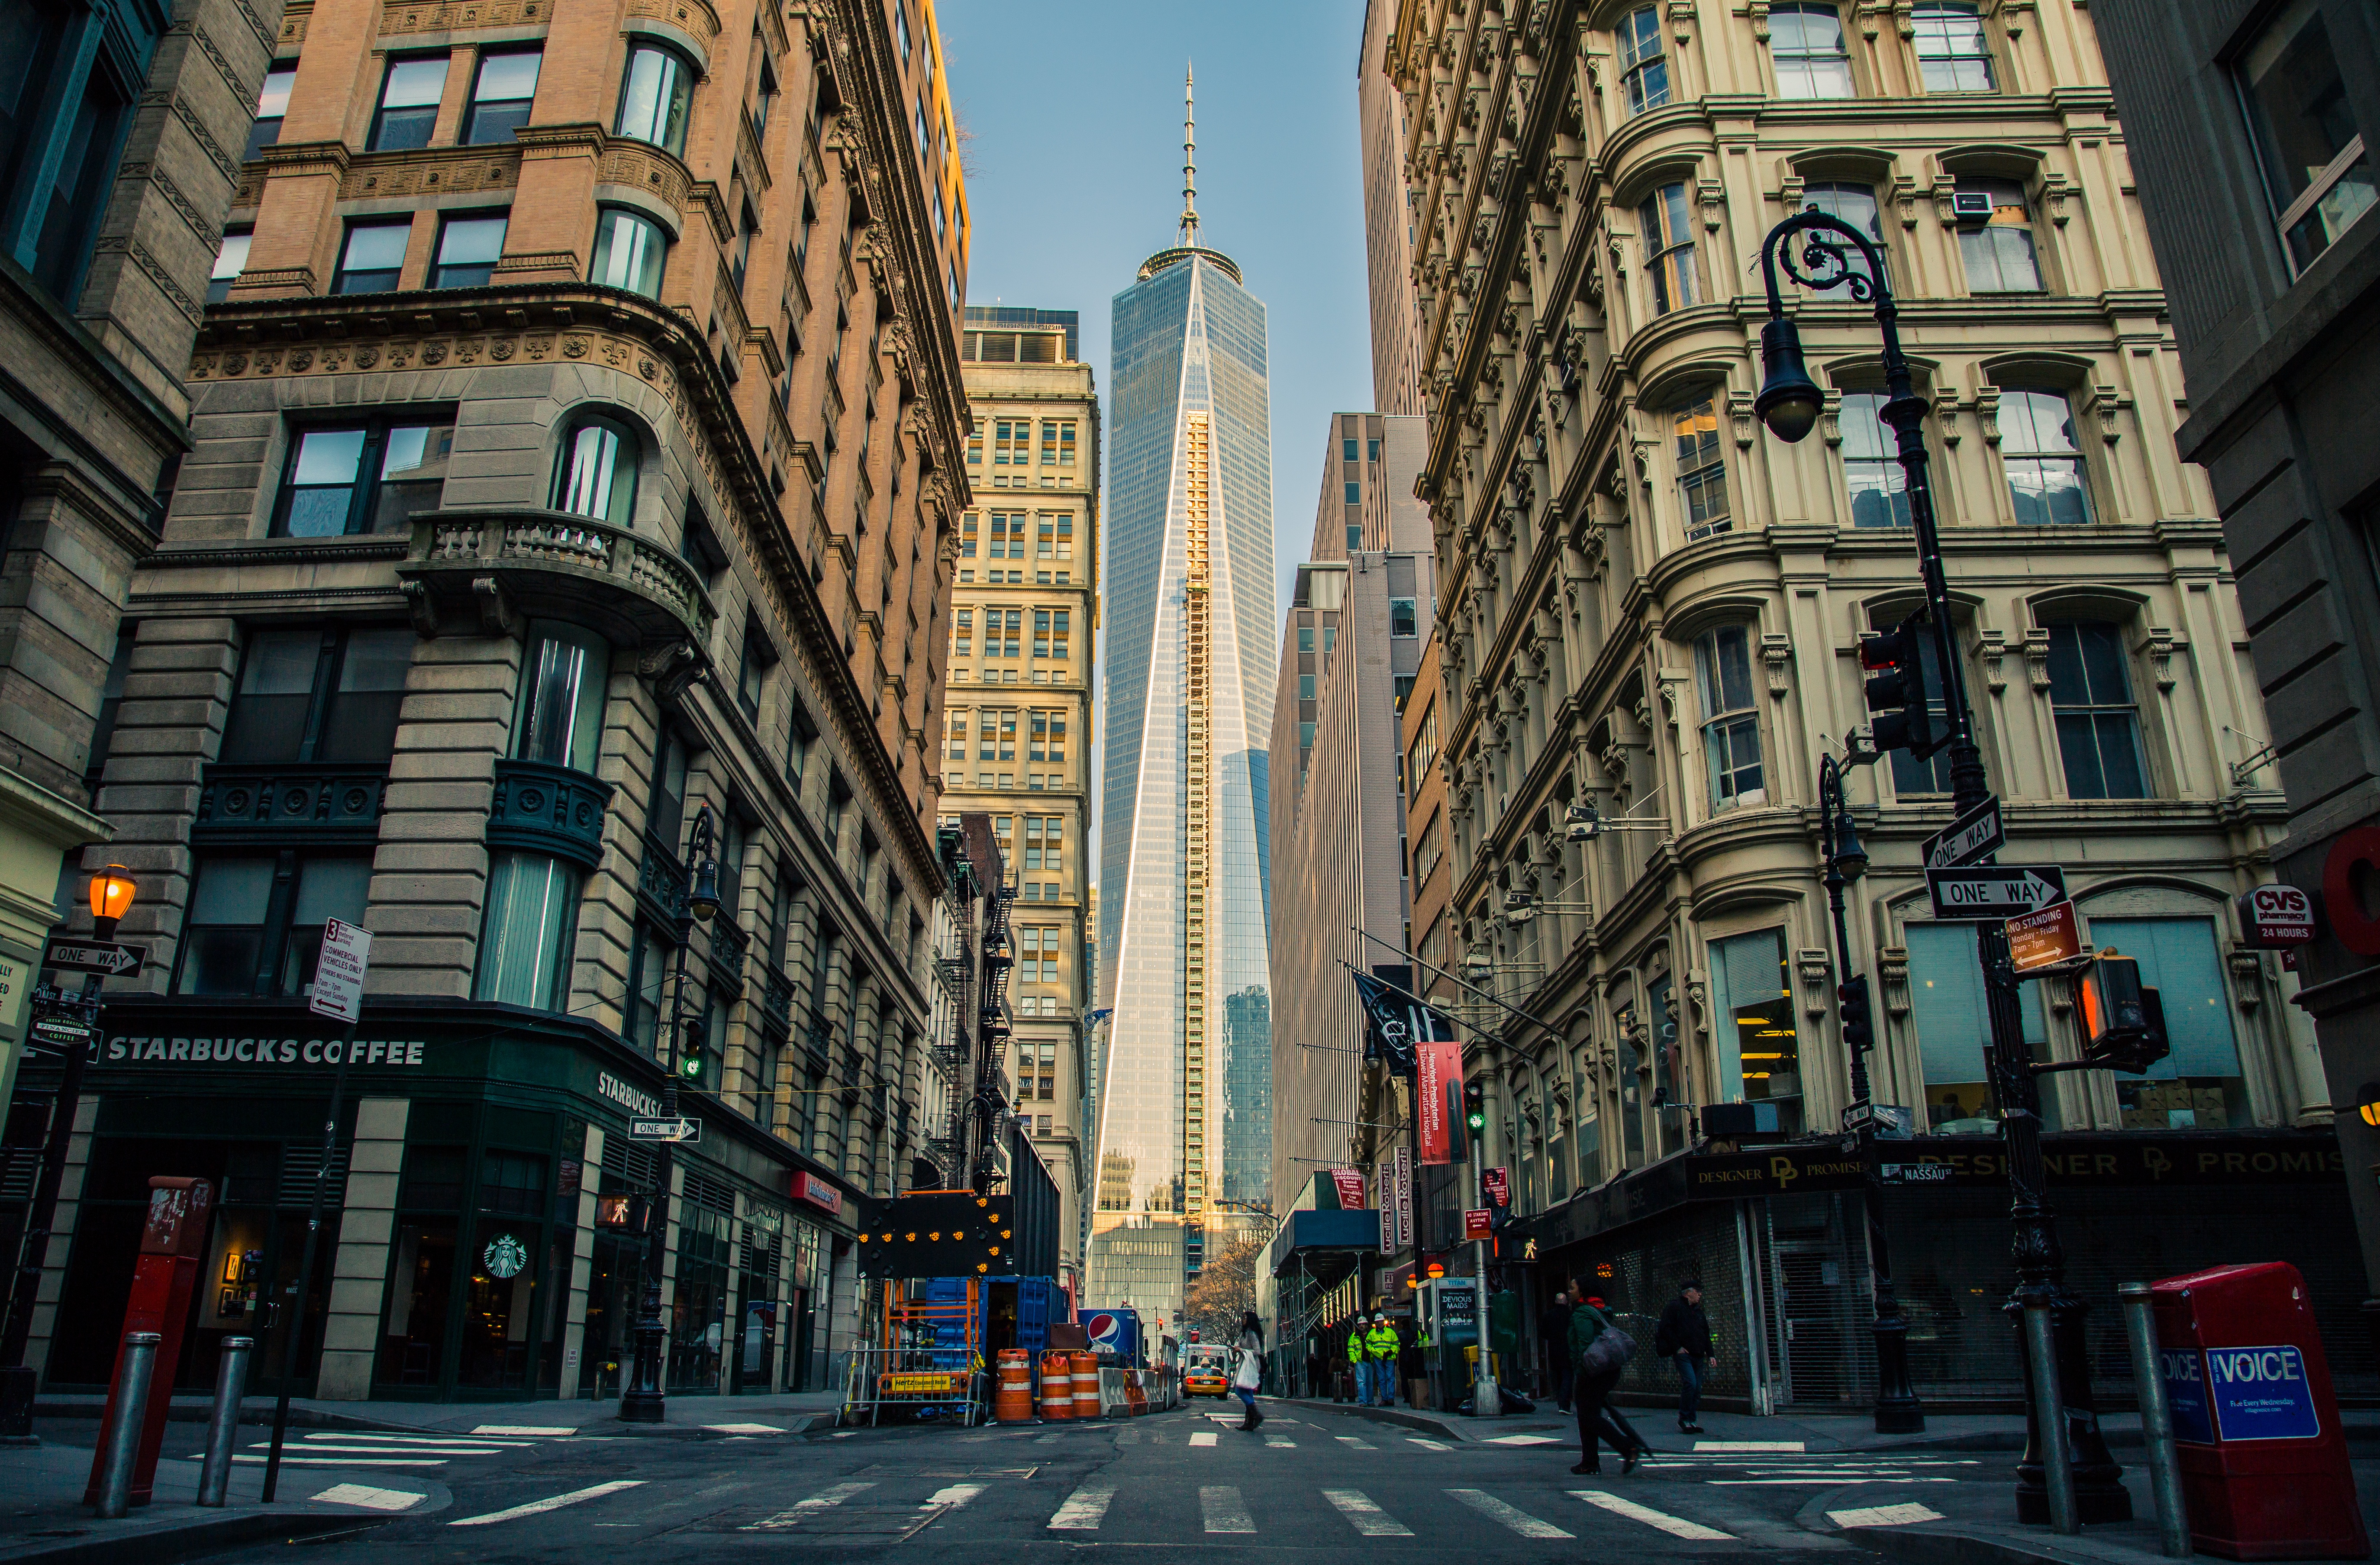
688, 1416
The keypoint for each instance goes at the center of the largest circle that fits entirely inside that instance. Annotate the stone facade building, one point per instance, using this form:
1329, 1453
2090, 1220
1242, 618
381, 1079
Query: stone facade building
2249, 130
1648, 606
1023, 646
578, 457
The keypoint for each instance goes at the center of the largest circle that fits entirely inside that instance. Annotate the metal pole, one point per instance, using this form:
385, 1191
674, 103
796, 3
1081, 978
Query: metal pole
17, 1379
2156, 1421
122, 1450
296, 1327
1487, 1401
222, 1424
2040, 1369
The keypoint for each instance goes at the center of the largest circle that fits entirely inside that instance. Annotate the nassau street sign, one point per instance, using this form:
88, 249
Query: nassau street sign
1973, 836
1980, 892
94, 957
688, 1131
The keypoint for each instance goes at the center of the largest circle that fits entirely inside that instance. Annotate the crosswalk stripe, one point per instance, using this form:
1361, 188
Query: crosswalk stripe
745, 1428
520, 1429
1203, 1437
1281, 1442
343, 1461
1084, 1511
551, 1502
1225, 1511
1813, 1482
1751, 1445
369, 1498
344, 1439
1880, 1515
1359, 1445
1676, 1526
1525, 1441
954, 1496
1495, 1509
834, 1496
1366, 1517
1427, 1445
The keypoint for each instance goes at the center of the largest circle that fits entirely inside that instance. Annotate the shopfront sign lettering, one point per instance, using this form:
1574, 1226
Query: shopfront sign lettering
627, 1097
312, 1051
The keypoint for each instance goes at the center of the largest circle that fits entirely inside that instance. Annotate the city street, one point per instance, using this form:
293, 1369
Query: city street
1331, 1486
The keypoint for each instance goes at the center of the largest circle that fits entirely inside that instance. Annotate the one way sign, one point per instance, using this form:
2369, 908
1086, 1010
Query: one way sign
1981, 892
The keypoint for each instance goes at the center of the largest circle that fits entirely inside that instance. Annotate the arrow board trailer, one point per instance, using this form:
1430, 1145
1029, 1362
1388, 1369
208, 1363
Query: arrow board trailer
1992, 892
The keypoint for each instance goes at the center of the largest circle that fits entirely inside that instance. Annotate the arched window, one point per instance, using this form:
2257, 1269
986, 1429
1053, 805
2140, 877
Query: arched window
654, 96
629, 249
597, 473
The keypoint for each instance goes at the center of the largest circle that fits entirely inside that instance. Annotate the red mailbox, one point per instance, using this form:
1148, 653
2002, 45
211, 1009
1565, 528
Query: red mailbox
2264, 1460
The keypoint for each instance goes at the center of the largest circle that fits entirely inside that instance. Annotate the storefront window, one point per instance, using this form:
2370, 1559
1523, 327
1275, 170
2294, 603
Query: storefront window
2199, 1085
1946, 997
699, 1306
1759, 1052
532, 919
421, 1280
497, 1314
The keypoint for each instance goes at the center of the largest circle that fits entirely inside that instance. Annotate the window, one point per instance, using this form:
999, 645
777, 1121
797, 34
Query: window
966, 535
740, 248
524, 940
272, 106
500, 96
1354, 538
665, 811
2199, 1085
1347, 449
231, 260
1306, 687
1669, 239
629, 249
597, 475
901, 28
1404, 616
319, 694
2044, 465
1806, 42
1354, 494
372, 477
255, 923
560, 720
1879, 490
372, 256
1951, 53
2098, 726
1306, 638
975, 446
1912, 777
654, 95
1643, 70
1946, 992
1853, 205
2308, 147
753, 679
467, 250
1731, 719
1702, 470
409, 92
2000, 255
1759, 1048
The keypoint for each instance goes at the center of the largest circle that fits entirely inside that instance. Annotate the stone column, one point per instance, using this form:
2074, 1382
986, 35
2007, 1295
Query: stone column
582, 1264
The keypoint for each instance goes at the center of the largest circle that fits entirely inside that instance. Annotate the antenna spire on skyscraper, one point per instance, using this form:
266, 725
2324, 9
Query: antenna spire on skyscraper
1189, 163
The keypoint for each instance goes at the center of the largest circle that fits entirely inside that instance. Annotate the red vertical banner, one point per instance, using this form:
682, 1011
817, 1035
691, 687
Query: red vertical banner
1439, 1061
1350, 1184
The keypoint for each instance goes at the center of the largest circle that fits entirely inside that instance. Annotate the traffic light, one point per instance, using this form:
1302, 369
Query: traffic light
1475, 1107
1859, 1023
691, 1043
1898, 714
2123, 1022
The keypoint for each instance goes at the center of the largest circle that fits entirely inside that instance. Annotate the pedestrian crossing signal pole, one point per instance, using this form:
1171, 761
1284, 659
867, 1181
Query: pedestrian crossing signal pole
1487, 1401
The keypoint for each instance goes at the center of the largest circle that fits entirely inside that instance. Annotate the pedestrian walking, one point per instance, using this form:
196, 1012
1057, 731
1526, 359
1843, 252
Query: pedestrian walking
1599, 1351
1683, 1338
1413, 1365
1356, 1368
1248, 1373
1380, 1349
1553, 1338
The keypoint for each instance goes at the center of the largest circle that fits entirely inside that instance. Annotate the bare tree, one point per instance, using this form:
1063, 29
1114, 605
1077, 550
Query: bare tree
1225, 1289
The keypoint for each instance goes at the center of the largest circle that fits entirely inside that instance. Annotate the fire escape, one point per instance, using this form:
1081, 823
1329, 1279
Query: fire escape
990, 1106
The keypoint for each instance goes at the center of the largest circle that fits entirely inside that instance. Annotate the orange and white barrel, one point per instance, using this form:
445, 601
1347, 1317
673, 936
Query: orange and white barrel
1012, 1399
1057, 1386
1086, 1385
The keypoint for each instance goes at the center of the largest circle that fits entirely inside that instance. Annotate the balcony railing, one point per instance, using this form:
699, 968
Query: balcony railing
307, 801
549, 808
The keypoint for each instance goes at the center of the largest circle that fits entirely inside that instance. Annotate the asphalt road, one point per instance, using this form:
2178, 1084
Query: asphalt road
1185, 1483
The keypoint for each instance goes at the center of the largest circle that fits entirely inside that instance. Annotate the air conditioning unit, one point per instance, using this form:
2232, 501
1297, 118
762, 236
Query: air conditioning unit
1971, 209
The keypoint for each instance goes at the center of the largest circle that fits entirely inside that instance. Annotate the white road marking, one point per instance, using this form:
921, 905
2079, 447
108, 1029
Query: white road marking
834, 1496
368, 1497
519, 1429
1676, 1526
1269, 1440
1495, 1509
1203, 1437
1359, 1445
1366, 1517
1225, 1511
343, 1440
1751, 1445
343, 1461
1526, 1440
954, 1496
1885, 1515
1427, 1445
1084, 1511
1812, 1483
551, 1502
745, 1428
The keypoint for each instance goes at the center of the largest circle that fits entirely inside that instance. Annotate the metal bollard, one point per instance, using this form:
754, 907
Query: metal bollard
123, 1435
2156, 1421
2049, 1411
223, 1424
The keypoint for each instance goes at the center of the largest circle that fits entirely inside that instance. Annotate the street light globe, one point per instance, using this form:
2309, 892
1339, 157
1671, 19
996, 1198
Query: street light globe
1789, 401
111, 898
702, 898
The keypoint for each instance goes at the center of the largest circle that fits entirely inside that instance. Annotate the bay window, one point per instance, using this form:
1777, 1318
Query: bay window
596, 474
655, 93
531, 920
560, 716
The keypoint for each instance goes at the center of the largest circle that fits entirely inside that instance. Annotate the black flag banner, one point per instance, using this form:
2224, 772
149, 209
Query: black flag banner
1400, 1019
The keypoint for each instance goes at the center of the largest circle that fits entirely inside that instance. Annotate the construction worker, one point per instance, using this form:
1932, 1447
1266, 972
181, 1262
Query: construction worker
1356, 1367
1380, 1348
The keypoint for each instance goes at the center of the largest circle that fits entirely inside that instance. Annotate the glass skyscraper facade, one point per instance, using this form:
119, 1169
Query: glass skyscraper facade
1186, 1120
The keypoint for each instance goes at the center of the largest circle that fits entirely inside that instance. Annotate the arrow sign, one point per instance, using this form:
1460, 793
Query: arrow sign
1980, 892
1972, 837
94, 957
665, 1130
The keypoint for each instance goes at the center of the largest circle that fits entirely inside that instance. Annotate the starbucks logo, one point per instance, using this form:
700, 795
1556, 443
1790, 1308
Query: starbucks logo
504, 1256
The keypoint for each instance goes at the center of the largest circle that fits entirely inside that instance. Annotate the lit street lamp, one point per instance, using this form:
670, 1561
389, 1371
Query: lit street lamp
1832, 254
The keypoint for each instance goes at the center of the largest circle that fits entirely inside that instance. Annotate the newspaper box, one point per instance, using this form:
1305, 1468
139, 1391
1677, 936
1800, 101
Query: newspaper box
2264, 1460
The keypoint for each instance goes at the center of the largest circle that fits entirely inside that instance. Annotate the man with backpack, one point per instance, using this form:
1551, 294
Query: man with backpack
1683, 1338
1599, 1351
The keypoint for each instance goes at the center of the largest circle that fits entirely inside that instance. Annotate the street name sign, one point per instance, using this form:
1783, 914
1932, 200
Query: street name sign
1973, 836
1978, 892
94, 957
684, 1130
2045, 938
63, 1032
338, 990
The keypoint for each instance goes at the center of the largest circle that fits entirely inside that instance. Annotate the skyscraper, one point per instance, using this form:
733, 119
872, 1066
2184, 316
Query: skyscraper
1184, 917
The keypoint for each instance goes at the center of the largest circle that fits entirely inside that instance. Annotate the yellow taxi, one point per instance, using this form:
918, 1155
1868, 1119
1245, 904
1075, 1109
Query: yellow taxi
1206, 1370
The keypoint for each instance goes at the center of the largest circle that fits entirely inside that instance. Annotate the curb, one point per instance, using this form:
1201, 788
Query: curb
1922, 1545
1428, 1423
145, 1548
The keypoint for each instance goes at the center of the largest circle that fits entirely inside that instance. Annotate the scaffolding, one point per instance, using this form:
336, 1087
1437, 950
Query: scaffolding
928, 1361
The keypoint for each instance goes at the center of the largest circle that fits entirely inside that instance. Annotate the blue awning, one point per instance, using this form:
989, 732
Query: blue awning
1311, 1231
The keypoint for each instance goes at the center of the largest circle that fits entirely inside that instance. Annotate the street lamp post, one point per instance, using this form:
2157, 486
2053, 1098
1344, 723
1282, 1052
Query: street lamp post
1897, 1411
1789, 402
642, 1401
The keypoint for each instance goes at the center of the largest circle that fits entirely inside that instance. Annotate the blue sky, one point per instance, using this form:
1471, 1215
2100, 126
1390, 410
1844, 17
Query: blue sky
1076, 109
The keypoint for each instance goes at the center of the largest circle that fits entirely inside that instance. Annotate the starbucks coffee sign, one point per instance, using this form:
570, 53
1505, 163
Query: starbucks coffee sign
504, 1256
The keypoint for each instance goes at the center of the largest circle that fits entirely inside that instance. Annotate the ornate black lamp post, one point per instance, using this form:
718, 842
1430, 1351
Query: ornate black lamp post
1897, 1411
1832, 252
641, 1401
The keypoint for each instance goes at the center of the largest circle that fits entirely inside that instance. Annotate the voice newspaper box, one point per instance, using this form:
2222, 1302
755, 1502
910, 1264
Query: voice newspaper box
2264, 1460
